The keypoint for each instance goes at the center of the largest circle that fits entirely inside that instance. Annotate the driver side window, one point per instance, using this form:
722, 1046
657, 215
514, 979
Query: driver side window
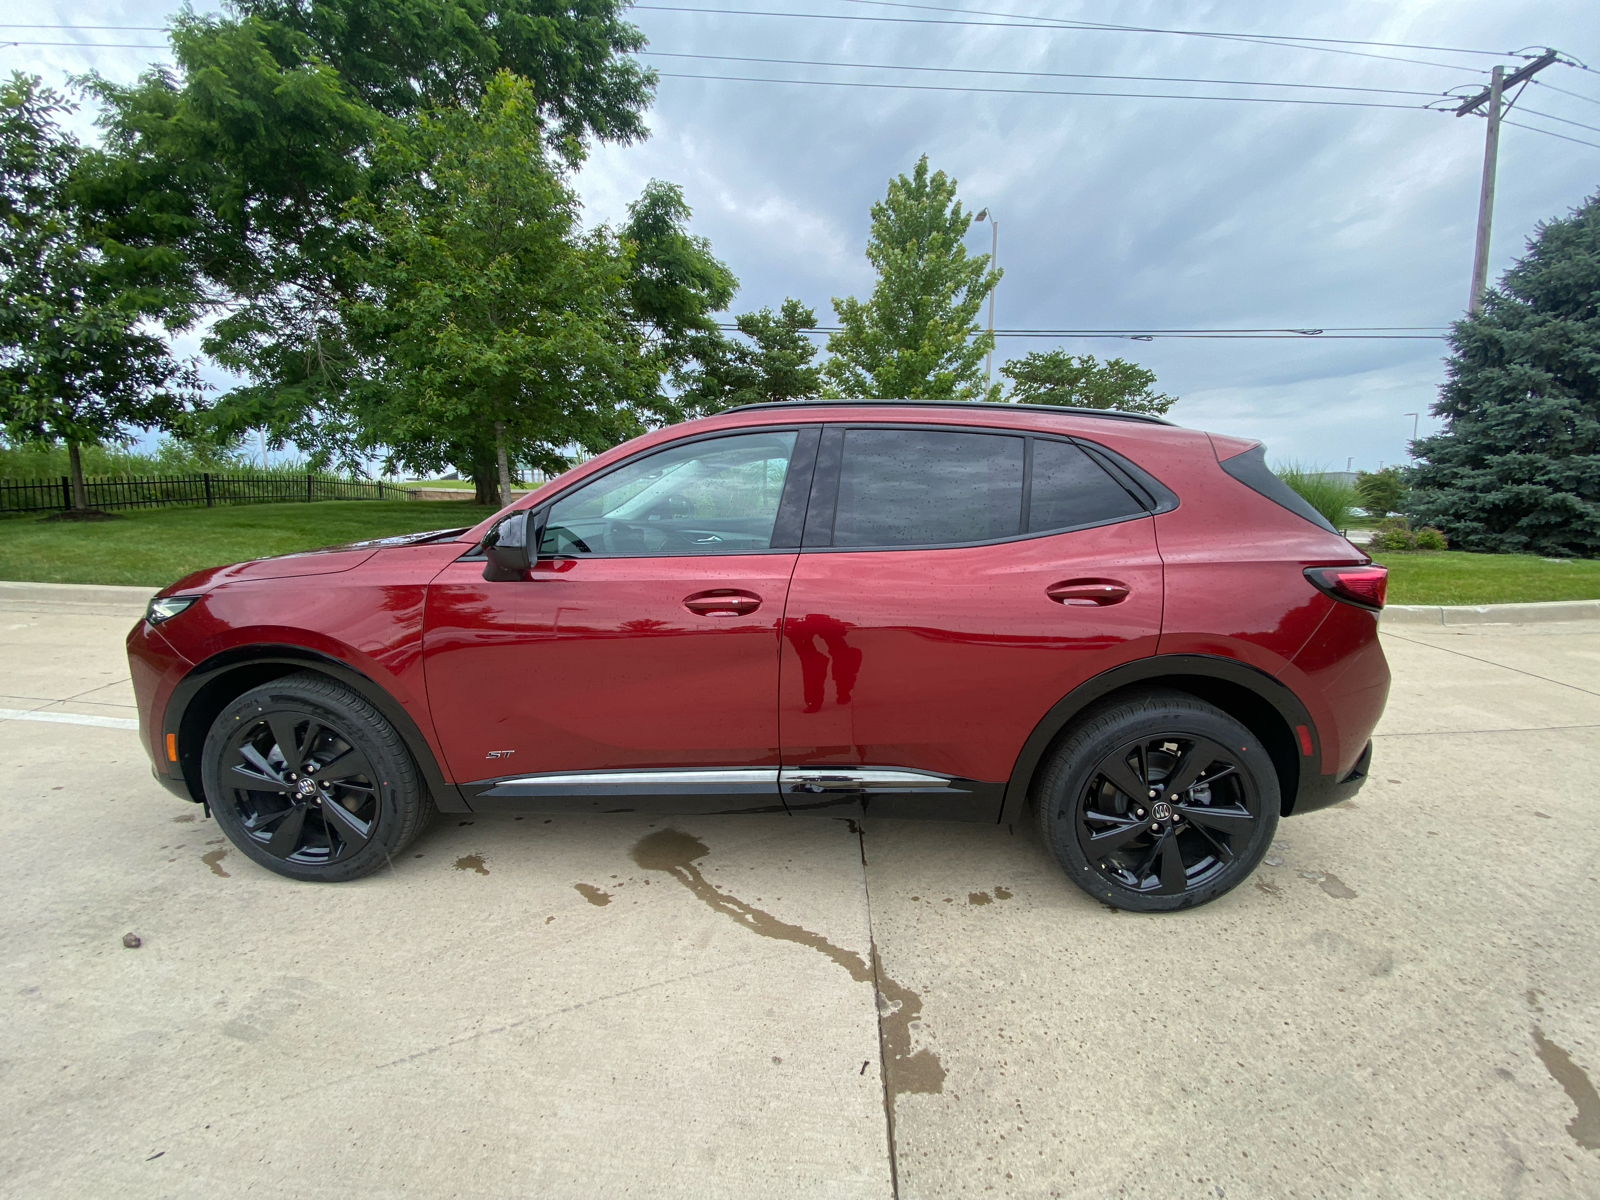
715, 496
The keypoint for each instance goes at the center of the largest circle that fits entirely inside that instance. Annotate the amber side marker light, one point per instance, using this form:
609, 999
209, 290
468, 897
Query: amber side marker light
1365, 587
172, 747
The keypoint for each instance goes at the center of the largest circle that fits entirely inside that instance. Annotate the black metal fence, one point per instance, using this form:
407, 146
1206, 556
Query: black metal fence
55, 495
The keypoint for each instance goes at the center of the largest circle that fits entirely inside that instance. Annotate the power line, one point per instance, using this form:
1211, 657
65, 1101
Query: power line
1551, 133
1564, 92
1276, 37
1333, 333
929, 87
1036, 23
801, 62
87, 45
1534, 112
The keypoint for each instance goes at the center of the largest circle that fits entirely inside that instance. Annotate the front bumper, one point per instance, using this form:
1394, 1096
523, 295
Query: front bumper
1322, 791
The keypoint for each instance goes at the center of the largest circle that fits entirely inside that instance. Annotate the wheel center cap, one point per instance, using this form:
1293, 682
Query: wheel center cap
1160, 810
308, 787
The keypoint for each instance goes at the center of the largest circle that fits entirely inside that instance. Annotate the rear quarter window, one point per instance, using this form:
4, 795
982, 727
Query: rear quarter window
1250, 469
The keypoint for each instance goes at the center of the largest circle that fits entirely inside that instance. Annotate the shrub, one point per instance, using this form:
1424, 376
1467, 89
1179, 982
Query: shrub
1429, 538
1329, 495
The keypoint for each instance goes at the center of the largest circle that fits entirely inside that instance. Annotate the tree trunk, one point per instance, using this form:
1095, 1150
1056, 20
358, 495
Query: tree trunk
501, 463
80, 490
485, 488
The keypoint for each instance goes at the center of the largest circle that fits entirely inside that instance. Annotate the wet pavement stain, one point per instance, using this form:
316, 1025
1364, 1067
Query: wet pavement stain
979, 898
593, 895
472, 862
1585, 1127
1001, 893
183, 820
904, 1071
213, 859
1330, 883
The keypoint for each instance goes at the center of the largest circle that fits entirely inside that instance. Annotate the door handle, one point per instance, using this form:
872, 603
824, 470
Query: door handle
1087, 593
722, 602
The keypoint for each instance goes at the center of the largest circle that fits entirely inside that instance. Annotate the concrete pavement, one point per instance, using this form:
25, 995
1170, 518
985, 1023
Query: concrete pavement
1405, 1001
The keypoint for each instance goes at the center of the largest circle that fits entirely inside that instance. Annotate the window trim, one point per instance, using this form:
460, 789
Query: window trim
823, 508
795, 493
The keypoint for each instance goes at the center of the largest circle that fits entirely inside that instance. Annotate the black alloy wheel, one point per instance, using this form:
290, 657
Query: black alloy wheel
1160, 802
310, 781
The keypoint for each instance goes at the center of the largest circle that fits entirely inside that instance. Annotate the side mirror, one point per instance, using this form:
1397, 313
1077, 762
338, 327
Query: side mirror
506, 548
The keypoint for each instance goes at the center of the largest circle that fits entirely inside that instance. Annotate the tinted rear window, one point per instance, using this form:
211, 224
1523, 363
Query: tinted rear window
1070, 490
910, 487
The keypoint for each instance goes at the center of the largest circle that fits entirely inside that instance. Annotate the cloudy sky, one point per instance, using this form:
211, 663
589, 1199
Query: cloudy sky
1122, 212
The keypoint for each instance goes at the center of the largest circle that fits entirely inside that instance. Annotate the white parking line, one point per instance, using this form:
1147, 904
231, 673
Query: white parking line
66, 718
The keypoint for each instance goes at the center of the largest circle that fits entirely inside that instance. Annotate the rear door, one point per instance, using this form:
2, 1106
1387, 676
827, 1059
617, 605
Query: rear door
952, 586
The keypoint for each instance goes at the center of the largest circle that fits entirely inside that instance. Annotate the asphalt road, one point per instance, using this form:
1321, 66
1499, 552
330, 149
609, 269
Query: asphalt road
1404, 1002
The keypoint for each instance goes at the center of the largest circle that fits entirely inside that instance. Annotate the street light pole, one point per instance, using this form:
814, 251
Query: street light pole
1415, 417
994, 254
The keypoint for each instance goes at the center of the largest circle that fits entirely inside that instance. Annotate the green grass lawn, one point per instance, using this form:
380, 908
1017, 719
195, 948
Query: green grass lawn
157, 546
1455, 577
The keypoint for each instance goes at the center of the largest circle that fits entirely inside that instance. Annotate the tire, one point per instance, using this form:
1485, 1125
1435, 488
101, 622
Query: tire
1214, 804
361, 803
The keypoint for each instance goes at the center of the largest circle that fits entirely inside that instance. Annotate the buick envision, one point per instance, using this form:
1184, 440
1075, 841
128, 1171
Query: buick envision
1131, 630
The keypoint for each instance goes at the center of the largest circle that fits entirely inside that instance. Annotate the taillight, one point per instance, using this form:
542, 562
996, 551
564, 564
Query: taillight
1365, 587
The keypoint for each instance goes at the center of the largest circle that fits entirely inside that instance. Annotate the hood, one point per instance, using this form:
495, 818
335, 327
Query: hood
331, 560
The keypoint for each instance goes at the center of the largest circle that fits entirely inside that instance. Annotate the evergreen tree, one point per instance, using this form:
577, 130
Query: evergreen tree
917, 336
1056, 377
1517, 467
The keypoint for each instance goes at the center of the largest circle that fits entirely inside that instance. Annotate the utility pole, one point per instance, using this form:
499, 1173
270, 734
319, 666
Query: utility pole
994, 253
1499, 81
1415, 417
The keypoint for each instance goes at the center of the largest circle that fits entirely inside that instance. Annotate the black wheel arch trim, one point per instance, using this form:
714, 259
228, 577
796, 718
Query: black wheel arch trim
1226, 680
252, 665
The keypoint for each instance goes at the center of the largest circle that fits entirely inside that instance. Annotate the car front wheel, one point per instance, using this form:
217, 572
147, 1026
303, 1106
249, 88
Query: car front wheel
309, 780
1159, 801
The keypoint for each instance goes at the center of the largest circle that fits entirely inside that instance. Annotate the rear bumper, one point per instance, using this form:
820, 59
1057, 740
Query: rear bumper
1321, 791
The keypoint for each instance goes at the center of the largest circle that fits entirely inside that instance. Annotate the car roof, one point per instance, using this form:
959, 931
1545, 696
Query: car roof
1106, 413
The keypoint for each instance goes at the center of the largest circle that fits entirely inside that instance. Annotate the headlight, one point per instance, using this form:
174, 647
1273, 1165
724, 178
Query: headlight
164, 608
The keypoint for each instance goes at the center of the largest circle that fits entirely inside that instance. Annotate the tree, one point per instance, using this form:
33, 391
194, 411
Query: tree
264, 132
79, 361
1382, 492
773, 365
488, 328
1056, 377
674, 285
1517, 467
918, 335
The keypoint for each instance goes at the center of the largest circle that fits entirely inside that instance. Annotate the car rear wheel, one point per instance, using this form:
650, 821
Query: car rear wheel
1159, 801
309, 780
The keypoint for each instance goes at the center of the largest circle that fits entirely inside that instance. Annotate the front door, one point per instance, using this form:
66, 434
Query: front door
953, 587
636, 666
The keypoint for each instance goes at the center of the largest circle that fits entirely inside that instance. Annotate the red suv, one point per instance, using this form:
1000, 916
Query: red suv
908, 609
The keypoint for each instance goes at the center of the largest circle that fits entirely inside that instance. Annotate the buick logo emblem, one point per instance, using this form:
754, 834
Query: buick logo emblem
1161, 810
308, 787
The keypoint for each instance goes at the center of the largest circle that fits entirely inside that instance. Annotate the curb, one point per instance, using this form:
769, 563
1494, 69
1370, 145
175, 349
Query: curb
1490, 614
76, 596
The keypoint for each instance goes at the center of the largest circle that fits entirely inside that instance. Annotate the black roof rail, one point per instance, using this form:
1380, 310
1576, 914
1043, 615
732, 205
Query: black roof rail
1108, 413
